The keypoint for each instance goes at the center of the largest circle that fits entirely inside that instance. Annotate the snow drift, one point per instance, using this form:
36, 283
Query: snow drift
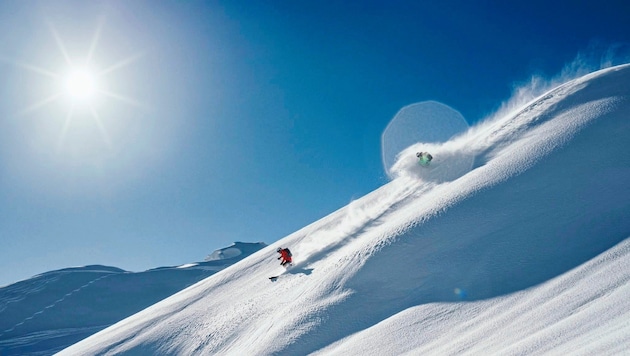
525, 252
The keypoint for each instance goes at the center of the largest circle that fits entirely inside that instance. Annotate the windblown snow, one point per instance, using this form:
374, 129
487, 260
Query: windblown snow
525, 252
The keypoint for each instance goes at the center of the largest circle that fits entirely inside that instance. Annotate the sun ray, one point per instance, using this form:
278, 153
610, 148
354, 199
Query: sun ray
60, 44
123, 63
95, 39
40, 104
101, 127
123, 99
64, 129
33, 68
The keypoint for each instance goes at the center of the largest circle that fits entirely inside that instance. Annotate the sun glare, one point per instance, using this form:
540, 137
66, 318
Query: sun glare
80, 85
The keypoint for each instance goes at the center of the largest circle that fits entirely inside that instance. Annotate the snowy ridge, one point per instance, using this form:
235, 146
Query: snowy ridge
235, 250
53, 310
511, 254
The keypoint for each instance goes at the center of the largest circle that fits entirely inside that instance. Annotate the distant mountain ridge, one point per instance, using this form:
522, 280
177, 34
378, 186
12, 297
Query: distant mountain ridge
46, 313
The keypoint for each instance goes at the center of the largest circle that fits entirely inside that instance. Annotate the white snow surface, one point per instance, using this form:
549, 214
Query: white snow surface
525, 252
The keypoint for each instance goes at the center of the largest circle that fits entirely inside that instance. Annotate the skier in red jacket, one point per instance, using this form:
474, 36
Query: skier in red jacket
285, 255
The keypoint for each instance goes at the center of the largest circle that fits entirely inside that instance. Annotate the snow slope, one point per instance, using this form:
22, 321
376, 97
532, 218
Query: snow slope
51, 311
525, 253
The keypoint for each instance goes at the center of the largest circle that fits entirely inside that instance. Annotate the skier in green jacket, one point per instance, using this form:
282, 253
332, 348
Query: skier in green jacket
424, 158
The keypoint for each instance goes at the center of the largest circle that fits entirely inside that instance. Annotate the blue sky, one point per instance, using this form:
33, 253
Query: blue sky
222, 121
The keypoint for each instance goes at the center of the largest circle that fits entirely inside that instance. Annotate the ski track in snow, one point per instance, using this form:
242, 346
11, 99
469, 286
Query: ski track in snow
357, 217
21, 290
55, 302
352, 221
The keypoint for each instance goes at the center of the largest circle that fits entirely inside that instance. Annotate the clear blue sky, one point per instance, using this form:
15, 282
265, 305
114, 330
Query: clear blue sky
214, 122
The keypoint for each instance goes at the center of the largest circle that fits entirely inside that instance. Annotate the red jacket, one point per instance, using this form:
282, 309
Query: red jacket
285, 255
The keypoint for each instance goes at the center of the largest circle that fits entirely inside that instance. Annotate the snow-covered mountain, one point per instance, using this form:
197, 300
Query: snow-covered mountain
51, 311
527, 252
514, 241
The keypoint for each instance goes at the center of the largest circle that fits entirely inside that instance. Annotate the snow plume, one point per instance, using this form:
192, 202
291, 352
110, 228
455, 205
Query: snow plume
461, 153
594, 58
353, 220
451, 160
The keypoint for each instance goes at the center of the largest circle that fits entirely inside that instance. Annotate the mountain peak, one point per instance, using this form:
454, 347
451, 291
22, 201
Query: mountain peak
235, 250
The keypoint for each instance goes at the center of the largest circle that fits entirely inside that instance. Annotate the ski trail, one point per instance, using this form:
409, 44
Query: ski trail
20, 292
357, 217
349, 223
55, 303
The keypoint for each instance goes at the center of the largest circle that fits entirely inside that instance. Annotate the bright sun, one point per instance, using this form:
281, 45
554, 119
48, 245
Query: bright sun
80, 85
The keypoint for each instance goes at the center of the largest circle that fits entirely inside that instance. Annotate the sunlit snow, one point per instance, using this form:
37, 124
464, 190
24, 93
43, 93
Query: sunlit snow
526, 251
